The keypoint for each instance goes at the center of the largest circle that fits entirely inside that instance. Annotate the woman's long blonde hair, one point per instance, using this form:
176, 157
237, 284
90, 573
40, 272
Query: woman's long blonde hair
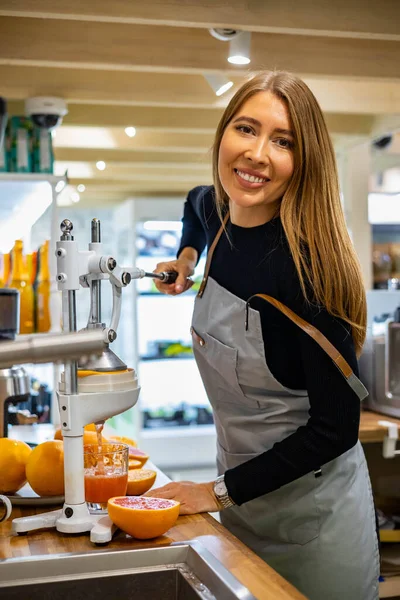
310, 211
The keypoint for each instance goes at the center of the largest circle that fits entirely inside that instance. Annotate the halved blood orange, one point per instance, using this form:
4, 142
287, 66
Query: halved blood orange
143, 517
136, 454
134, 464
139, 481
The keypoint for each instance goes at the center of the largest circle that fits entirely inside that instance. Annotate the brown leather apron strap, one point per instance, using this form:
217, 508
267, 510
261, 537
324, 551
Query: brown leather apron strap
312, 331
210, 255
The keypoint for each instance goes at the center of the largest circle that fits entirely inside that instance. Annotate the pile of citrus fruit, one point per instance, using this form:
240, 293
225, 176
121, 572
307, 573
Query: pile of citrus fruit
43, 467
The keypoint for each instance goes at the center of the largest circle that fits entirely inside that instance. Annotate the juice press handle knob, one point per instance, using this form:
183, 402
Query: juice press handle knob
66, 226
164, 276
169, 276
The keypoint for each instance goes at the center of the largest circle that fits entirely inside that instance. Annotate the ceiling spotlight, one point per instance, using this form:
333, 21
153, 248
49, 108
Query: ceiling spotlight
130, 131
239, 48
75, 197
81, 188
218, 83
101, 165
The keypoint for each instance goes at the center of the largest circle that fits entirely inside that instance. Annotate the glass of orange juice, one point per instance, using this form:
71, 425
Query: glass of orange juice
106, 474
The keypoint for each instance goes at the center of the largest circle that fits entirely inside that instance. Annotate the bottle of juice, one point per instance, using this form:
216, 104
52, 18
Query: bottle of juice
6, 269
2, 271
43, 290
34, 276
20, 280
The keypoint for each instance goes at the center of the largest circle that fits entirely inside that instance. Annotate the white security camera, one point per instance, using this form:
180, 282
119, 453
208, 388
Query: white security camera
46, 112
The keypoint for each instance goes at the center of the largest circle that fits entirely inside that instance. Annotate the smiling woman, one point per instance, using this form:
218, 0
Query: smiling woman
255, 159
277, 325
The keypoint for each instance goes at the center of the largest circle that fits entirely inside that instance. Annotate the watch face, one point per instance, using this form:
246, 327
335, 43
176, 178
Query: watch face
220, 488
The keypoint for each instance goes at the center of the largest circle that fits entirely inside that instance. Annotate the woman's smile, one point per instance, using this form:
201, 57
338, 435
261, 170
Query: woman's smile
250, 181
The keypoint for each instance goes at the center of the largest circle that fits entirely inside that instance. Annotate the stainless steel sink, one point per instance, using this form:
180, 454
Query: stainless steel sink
181, 571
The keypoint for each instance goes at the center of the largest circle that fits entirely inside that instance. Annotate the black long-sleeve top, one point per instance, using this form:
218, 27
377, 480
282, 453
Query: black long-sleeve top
258, 260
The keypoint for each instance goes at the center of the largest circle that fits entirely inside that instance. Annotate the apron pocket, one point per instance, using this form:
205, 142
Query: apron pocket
221, 358
287, 515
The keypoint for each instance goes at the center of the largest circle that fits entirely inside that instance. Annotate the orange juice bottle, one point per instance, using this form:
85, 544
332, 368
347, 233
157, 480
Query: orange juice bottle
6, 269
31, 263
43, 290
2, 271
20, 281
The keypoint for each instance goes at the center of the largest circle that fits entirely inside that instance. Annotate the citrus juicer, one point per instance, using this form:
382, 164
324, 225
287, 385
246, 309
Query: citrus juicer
97, 398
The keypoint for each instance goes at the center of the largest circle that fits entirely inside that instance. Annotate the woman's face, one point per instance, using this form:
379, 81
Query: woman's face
255, 162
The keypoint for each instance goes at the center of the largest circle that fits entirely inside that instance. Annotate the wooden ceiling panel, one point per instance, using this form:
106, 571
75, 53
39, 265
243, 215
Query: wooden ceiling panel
115, 138
69, 43
109, 87
87, 90
334, 18
190, 120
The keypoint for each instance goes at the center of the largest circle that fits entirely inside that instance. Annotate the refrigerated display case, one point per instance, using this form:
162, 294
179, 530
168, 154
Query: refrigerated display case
172, 391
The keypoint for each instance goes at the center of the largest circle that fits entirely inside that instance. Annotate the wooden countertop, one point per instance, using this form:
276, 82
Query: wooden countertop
370, 430
249, 569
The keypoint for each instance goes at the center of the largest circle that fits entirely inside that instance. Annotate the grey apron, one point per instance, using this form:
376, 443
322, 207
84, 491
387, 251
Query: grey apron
319, 531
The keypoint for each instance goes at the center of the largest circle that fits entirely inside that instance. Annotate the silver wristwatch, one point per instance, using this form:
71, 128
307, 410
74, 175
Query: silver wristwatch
221, 493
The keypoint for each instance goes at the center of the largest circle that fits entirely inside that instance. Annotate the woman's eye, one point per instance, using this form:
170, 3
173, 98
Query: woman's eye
244, 129
284, 143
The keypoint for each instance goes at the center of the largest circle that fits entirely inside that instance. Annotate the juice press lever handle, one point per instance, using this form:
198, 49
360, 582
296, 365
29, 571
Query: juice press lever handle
164, 276
136, 273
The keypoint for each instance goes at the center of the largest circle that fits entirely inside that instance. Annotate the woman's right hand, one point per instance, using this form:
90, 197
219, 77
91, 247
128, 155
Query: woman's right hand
184, 267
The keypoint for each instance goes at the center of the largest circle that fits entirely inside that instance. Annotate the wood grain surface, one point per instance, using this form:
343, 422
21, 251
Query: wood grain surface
370, 430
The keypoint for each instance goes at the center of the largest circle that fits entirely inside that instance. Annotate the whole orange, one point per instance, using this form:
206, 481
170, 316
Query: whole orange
13, 458
45, 468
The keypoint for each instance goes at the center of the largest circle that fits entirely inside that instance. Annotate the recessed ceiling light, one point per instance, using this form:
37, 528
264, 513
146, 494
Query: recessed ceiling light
75, 197
239, 49
130, 131
81, 188
101, 165
218, 82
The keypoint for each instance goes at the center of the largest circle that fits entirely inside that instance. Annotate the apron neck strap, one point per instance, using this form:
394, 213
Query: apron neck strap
312, 331
210, 255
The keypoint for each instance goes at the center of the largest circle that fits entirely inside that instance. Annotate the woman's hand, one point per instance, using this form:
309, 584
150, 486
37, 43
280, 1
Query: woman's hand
184, 266
194, 497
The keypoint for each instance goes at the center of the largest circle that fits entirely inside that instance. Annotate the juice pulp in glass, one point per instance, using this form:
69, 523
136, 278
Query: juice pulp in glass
99, 487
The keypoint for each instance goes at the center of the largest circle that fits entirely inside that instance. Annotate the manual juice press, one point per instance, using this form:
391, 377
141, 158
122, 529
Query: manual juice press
108, 386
